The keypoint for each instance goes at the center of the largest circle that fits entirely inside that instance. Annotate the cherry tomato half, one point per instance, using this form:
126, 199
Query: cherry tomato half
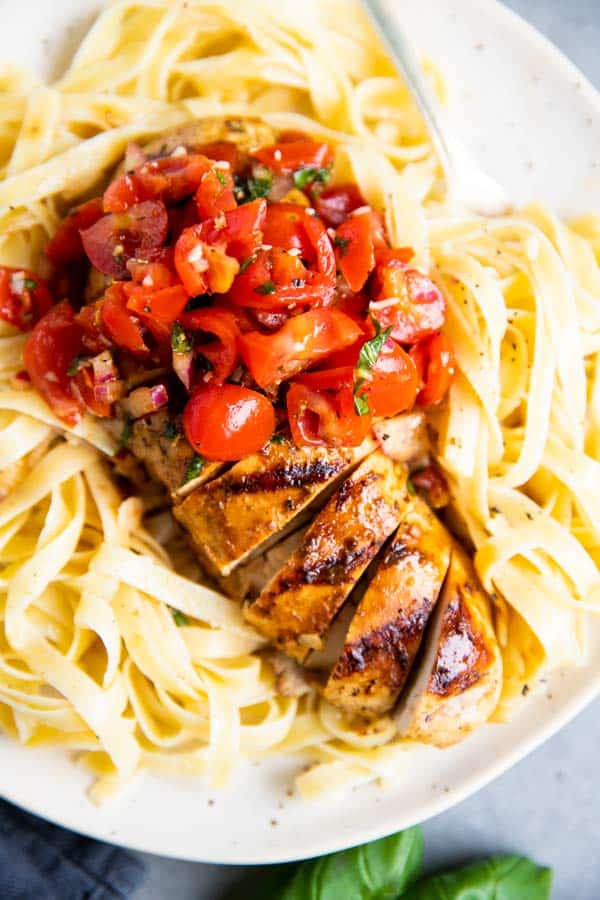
325, 418
201, 266
48, 353
301, 342
169, 178
66, 245
335, 204
221, 353
118, 237
391, 385
293, 155
407, 301
435, 364
228, 422
214, 194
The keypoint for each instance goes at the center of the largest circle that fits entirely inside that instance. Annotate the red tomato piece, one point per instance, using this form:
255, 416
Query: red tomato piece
222, 354
321, 244
201, 266
241, 232
164, 305
436, 366
66, 245
48, 353
392, 384
334, 379
169, 178
214, 194
228, 422
118, 324
293, 155
83, 387
275, 281
223, 151
325, 418
407, 301
284, 227
335, 204
354, 249
118, 237
24, 297
152, 275
300, 343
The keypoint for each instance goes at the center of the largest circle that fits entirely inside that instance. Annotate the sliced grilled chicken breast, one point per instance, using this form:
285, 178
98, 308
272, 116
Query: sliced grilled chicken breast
459, 677
159, 442
247, 134
386, 631
260, 499
297, 607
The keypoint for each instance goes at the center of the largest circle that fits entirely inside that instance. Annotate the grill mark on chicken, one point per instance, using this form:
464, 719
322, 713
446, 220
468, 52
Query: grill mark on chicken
463, 655
297, 607
384, 636
296, 475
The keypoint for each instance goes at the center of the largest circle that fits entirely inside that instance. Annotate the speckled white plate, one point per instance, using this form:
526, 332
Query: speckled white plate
535, 123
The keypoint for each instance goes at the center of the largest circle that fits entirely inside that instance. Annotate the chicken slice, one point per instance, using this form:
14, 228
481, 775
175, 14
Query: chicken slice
297, 607
247, 134
459, 677
158, 441
260, 499
387, 629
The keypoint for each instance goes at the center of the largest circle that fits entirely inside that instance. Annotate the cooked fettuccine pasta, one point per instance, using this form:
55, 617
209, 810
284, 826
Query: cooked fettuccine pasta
109, 644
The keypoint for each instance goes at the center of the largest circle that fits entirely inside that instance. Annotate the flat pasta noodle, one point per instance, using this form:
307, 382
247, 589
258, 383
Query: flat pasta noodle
89, 589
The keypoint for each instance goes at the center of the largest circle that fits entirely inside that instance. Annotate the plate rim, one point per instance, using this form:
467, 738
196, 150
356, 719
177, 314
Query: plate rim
438, 803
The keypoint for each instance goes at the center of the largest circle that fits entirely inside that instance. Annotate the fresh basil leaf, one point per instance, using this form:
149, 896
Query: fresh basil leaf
195, 466
309, 174
496, 878
278, 438
221, 177
253, 187
361, 401
30, 284
76, 364
179, 618
247, 262
370, 350
180, 341
381, 870
267, 288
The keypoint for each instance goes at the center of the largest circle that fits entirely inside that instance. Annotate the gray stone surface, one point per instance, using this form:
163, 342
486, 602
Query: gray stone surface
547, 806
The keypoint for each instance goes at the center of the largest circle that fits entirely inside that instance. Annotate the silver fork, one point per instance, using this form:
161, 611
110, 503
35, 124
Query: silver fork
467, 185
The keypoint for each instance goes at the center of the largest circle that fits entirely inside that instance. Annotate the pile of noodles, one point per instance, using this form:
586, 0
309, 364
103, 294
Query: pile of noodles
92, 656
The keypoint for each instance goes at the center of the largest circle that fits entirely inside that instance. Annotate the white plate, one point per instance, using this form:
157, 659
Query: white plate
535, 123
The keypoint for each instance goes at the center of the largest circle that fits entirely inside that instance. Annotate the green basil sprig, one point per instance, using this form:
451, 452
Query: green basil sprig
496, 878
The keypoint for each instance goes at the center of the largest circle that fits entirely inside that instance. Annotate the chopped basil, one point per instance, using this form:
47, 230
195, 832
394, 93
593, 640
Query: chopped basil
342, 243
171, 431
247, 262
370, 350
179, 618
278, 438
76, 363
180, 340
309, 174
410, 487
195, 466
30, 284
267, 288
125, 433
221, 177
198, 302
253, 187
361, 404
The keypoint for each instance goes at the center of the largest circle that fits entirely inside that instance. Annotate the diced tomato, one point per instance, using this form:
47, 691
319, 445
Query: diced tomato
325, 417
292, 135
215, 194
117, 322
300, 343
66, 246
335, 204
83, 388
223, 151
284, 227
118, 237
169, 178
391, 385
393, 256
293, 155
407, 301
164, 305
241, 231
48, 353
321, 244
153, 275
276, 281
24, 297
435, 364
334, 379
201, 266
222, 354
228, 422
354, 249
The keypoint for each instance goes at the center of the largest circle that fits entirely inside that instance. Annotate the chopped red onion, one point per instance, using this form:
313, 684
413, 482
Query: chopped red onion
146, 400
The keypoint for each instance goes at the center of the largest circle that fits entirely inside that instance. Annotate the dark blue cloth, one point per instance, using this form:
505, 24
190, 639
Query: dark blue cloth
39, 861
